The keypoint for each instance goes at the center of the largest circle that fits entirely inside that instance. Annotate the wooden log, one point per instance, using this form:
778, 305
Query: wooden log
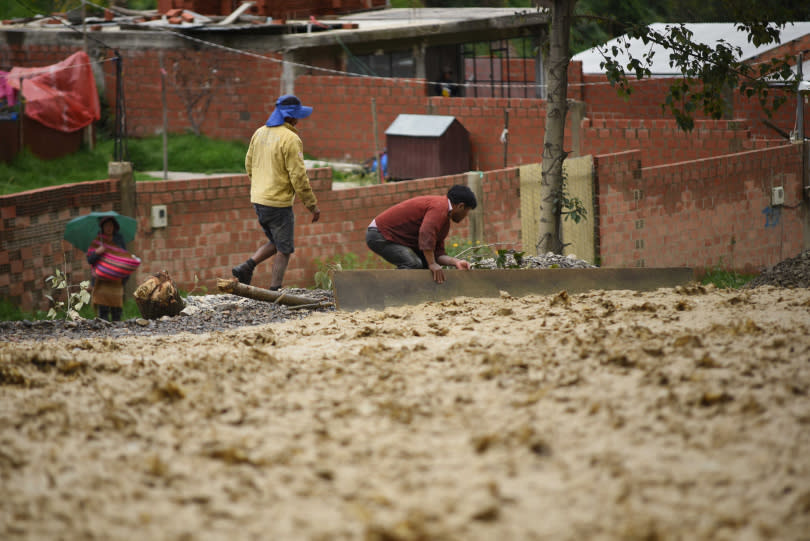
232, 286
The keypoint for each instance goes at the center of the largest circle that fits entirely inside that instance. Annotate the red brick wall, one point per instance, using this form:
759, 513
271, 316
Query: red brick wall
230, 95
661, 141
342, 125
701, 214
242, 90
648, 95
31, 228
212, 227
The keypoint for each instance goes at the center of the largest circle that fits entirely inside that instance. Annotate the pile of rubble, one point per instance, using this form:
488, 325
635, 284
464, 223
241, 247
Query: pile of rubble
510, 259
793, 272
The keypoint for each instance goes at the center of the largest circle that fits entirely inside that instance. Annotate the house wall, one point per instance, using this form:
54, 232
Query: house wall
704, 213
31, 228
648, 96
661, 141
228, 96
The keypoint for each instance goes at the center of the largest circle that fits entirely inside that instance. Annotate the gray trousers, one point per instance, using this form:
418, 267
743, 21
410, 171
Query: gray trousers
397, 254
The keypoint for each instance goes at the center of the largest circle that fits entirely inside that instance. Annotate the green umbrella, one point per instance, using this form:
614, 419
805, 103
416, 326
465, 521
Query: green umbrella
81, 231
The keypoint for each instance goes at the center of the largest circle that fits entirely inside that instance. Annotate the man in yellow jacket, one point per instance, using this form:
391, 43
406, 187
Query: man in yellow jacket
275, 165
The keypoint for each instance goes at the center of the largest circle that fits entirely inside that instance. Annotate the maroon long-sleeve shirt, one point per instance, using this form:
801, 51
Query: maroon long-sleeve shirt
421, 223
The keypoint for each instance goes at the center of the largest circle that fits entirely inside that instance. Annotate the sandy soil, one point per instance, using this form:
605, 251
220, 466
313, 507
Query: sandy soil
676, 414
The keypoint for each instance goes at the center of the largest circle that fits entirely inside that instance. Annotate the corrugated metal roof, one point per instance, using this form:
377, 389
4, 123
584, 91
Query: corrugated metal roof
420, 125
707, 33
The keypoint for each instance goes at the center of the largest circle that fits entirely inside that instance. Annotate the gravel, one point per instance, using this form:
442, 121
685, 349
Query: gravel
210, 313
793, 272
202, 314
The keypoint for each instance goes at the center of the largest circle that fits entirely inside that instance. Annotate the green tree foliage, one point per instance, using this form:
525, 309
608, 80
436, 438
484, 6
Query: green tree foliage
708, 70
597, 21
14, 9
709, 11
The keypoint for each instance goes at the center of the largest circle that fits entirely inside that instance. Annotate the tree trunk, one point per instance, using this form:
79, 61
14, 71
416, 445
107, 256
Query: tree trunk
551, 183
232, 286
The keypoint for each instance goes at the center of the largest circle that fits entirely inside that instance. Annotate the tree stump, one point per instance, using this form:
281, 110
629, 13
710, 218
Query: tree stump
158, 297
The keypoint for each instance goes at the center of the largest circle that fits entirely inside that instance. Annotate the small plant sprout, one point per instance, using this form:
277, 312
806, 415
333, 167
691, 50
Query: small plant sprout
76, 296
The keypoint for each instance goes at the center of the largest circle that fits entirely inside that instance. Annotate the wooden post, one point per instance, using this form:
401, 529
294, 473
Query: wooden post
505, 137
376, 144
89, 136
21, 131
165, 118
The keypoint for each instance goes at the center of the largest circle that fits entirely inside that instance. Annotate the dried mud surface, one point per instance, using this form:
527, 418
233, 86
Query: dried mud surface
675, 414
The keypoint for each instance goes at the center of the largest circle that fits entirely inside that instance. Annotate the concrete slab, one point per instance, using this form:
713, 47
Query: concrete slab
379, 289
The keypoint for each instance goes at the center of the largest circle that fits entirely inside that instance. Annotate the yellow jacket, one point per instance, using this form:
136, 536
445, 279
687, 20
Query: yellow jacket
275, 165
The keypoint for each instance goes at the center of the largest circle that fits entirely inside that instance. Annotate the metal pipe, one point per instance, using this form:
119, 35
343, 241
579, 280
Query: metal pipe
491, 72
525, 75
800, 128
505, 137
475, 71
508, 71
800, 99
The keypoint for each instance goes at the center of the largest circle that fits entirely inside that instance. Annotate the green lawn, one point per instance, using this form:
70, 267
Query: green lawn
195, 154
189, 153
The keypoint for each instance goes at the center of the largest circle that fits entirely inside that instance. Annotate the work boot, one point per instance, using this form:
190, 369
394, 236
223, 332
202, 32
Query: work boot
243, 272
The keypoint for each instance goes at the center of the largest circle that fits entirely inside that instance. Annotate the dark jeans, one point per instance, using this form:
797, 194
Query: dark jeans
397, 254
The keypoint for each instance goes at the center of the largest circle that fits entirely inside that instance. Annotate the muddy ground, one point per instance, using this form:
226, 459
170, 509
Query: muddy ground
676, 414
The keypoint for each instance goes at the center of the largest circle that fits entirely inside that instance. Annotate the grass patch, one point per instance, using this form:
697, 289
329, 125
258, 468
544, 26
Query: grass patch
195, 154
358, 179
467, 249
27, 172
347, 261
726, 279
11, 312
186, 152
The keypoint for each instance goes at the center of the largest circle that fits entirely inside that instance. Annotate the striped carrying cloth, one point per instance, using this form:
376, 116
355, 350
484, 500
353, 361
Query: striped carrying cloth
114, 263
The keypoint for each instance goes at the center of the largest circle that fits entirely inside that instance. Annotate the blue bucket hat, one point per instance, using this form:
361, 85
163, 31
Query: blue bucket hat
288, 106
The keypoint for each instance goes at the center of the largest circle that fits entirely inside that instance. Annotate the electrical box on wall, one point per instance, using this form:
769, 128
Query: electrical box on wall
159, 216
777, 196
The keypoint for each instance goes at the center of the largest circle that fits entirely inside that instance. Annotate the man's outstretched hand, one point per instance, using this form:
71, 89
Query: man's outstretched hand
438, 273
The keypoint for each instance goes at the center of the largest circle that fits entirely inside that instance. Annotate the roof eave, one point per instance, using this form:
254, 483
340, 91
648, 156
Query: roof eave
505, 27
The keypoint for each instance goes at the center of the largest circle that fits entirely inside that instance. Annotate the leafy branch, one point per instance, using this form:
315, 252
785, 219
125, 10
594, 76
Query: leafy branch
707, 72
76, 296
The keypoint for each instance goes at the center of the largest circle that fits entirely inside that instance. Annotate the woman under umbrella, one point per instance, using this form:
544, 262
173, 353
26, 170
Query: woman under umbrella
108, 295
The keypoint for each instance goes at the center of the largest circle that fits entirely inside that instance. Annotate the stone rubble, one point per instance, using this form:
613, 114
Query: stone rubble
792, 272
